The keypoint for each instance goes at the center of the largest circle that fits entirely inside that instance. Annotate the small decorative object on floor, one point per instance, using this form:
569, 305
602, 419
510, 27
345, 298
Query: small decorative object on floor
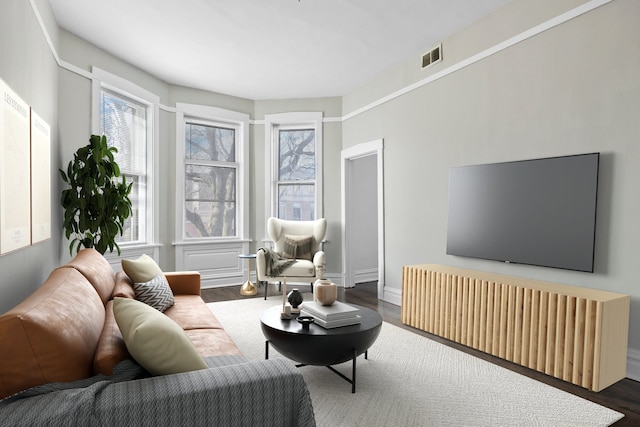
325, 292
295, 299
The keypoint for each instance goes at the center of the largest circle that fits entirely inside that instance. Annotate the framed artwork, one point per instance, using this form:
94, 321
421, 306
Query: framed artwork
15, 171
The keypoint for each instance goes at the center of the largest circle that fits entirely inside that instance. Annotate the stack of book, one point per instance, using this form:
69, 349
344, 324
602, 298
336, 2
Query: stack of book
331, 316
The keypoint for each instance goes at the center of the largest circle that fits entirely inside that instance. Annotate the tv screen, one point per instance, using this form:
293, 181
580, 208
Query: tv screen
538, 212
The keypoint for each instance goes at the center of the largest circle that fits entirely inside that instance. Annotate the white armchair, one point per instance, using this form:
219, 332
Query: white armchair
300, 241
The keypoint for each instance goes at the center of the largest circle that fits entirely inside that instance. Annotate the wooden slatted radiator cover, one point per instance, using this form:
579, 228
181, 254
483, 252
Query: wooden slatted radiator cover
576, 334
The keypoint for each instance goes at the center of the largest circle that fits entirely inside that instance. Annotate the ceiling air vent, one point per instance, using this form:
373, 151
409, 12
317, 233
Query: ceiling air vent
432, 57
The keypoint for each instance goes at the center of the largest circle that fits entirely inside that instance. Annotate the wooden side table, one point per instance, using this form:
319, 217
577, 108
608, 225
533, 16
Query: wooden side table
248, 288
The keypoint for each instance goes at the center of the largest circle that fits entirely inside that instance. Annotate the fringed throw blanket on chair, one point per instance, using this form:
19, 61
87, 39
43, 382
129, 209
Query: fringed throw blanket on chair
275, 263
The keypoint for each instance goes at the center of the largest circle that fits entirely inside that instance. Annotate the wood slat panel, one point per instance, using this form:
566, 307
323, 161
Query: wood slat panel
578, 341
545, 324
589, 344
558, 333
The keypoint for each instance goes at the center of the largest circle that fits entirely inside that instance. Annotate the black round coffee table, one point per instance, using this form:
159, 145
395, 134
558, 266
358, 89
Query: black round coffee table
317, 345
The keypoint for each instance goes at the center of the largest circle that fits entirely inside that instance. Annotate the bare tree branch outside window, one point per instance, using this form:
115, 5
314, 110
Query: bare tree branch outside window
210, 181
296, 174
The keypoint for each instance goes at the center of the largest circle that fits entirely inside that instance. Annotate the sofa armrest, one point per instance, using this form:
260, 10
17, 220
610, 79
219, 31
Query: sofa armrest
265, 393
184, 282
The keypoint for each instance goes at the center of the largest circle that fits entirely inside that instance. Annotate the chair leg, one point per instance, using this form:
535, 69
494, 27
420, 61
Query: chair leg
266, 287
311, 287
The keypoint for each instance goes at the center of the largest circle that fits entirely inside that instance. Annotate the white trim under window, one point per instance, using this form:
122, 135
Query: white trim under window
105, 82
297, 121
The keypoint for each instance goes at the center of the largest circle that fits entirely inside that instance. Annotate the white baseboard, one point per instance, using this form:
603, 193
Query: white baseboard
392, 296
633, 364
208, 280
366, 275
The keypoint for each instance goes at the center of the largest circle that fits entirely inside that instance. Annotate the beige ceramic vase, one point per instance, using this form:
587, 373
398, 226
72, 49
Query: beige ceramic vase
325, 292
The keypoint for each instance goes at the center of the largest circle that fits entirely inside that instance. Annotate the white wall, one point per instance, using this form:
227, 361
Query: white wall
573, 88
27, 66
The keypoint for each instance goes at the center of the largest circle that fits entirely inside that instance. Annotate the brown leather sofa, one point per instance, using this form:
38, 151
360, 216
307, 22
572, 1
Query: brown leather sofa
66, 331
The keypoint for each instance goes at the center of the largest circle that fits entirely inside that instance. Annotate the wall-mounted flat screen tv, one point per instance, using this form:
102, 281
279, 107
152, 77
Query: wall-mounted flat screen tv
538, 212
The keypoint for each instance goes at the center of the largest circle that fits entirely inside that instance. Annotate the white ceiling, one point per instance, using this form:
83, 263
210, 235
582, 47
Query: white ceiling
268, 49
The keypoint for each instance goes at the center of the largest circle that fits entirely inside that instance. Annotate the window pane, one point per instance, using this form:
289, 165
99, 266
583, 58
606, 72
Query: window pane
297, 155
210, 201
124, 122
133, 224
296, 202
210, 143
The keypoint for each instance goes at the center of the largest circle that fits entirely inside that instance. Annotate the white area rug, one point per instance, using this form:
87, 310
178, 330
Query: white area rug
410, 380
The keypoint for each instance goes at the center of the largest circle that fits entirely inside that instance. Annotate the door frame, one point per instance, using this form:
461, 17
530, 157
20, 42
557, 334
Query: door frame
372, 148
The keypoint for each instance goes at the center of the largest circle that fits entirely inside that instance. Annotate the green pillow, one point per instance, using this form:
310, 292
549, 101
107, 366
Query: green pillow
155, 341
142, 269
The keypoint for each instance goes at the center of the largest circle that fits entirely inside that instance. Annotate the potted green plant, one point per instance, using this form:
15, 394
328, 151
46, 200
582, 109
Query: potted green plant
97, 204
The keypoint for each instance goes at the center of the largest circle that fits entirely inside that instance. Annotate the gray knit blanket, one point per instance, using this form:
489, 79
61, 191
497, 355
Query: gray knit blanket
276, 391
275, 263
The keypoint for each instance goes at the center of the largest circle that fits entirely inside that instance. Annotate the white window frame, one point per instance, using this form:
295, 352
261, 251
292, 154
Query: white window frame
287, 121
213, 116
120, 86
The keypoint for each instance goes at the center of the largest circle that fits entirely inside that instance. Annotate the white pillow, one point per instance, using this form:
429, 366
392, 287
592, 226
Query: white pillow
155, 341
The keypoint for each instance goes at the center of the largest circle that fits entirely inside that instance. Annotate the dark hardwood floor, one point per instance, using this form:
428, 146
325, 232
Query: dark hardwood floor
624, 396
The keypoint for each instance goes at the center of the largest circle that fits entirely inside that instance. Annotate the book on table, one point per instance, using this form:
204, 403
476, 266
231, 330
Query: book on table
329, 324
337, 310
331, 316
